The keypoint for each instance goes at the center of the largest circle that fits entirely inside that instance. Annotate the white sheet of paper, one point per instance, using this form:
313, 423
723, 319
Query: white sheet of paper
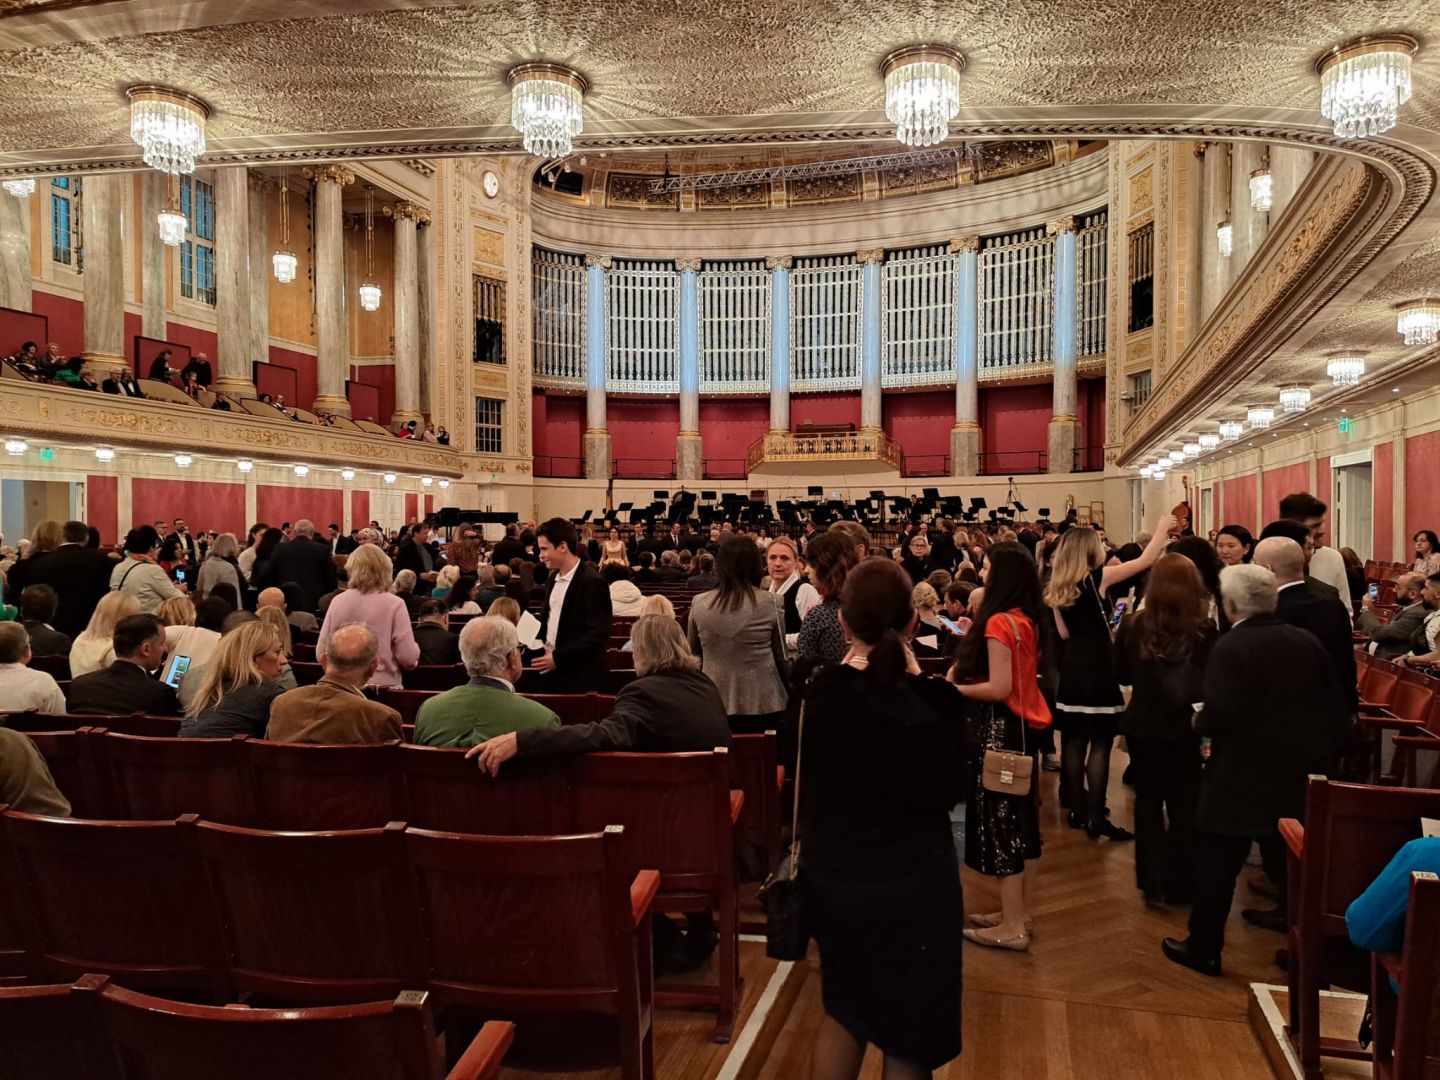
529, 631
930, 642
1429, 826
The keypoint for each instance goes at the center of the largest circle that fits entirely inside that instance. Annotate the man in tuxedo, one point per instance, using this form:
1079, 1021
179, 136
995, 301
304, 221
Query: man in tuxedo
79, 575
181, 535
1392, 639
575, 621
1312, 608
1274, 715
302, 561
127, 685
122, 381
418, 553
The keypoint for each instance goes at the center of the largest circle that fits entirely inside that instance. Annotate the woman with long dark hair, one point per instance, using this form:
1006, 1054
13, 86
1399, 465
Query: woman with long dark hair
881, 761
821, 639
737, 632
1208, 563
997, 667
1160, 654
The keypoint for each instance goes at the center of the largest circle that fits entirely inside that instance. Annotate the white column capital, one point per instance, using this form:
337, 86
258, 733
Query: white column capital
1063, 224
779, 262
691, 264
602, 261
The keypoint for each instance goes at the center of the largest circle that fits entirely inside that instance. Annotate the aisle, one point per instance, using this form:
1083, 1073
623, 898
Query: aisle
1093, 998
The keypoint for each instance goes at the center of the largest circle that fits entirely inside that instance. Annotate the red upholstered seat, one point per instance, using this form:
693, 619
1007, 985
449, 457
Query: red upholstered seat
306, 673
70, 758
406, 702
57, 667
1407, 1039
577, 708
757, 771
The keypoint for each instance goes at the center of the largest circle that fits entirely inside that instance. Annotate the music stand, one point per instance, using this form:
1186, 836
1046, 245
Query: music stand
977, 504
1018, 505
708, 496
815, 490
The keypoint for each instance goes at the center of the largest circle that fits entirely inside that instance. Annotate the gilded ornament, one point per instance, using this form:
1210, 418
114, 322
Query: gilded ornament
335, 174
868, 256
1056, 226
965, 244
779, 262
602, 261
689, 263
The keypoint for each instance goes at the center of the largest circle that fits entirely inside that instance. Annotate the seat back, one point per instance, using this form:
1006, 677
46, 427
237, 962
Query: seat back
51, 1031
324, 786
1413, 697
435, 677
118, 898
315, 916
557, 930
155, 778
1379, 682
69, 756
577, 708
13, 965
306, 674
1417, 1034
406, 702
755, 762
675, 809
57, 667
446, 791
38, 721
159, 727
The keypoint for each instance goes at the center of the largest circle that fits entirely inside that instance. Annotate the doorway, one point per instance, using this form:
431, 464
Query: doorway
1353, 509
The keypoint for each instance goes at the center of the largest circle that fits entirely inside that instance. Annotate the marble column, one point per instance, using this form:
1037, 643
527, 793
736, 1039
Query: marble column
597, 434
689, 450
332, 332
15, 290
965, 435
103, 208
1216, 268
1289, 165
260, 267
154, 192
233, 371
424, 258
1064, 426
407, 315
1250, 225
871, 261
779, 267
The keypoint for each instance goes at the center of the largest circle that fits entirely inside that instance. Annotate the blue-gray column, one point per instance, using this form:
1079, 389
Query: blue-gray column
779, 267
597, 435
870, 399
689, 451
1063, 423
965, 435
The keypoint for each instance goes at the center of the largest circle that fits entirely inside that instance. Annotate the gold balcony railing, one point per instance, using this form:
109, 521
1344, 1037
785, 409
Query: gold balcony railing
783, 446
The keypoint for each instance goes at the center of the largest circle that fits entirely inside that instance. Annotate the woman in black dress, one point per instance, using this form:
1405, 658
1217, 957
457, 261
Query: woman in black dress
1088, 702
880, 771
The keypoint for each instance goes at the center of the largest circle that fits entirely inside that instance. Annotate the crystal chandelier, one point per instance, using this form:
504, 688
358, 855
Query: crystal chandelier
1191, 450
1262, 191
546, 107
1364, 82
1209, 442
922, 92
1225, 238
1345, 369
1419, 321
171, 219
20, 188
1294, 399
1175, 457
284, 260
369, 291
168, 126
1260, 418
1230, 430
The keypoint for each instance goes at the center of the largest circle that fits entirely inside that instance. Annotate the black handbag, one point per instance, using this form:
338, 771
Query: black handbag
787, 921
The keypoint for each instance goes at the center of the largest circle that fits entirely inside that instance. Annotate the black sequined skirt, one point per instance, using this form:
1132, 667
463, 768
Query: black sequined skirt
1002, 831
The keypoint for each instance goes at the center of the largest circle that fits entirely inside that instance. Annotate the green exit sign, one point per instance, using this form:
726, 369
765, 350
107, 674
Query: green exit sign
47, 454
1347, 425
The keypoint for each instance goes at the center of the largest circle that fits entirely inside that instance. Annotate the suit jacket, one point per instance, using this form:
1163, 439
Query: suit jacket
1322, 613
408, 558
507, 549
79, 575
46, 640
330, 712
1393, 638
188, 543
304, 562
580, 663
119, 689
437, 644
1274, 715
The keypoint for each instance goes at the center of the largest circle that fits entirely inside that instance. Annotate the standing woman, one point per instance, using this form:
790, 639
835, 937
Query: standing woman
782, 578
998, 669
612, 549
1233, 544
1160, 654
881, 769
220, 567
139, 575
735, 629
821, 638
368, 600
1088, 702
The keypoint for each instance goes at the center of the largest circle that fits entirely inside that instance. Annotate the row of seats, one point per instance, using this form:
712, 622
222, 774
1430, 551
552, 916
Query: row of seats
1397, 698
95, 1030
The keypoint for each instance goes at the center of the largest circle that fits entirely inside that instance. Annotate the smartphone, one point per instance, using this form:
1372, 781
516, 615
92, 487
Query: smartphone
1374, 590
951, 625
179, 576
178, 666
1121, 607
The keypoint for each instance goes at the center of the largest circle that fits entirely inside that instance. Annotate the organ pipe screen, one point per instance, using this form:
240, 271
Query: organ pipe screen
825, 302
918, 317
558, 281
1017, 299
642, 327
734, 327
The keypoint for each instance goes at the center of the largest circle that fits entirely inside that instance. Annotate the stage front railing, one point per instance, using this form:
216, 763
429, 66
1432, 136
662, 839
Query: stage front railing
874, 446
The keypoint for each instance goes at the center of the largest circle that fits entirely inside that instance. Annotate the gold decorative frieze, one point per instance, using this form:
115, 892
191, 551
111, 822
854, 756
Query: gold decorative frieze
489, 377
783, 446
1141, 191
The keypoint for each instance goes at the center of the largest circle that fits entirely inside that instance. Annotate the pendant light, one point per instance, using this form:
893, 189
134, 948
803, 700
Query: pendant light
369, 291
284, 260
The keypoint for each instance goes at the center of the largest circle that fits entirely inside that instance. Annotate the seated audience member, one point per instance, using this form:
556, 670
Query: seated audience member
336, 710
488, 587
271, 597
25, 781
670, 566
368, 600
1425, 644
445, 581
659, 604
342, 579
139, 574
669, 708
461, 600
94, 649
184, 635
1392, 639
506, 608
438, 644
404, 588
926, 603
295, 611
488, 705
241, 682
647, 572
128, 684
704, 576
625, 597
37, 607
1376, 918
21, 688
521, 582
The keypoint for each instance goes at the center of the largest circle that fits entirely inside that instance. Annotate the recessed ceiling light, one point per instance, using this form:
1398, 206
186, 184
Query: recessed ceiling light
1395, 390
1344, 410
1305, 424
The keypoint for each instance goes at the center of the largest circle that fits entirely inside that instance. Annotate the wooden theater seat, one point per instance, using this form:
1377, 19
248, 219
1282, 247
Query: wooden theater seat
57, 667
50, 1031
1407, 1038
306, 673
326, 786
1351, 832
406, 702
577, 708
445, 790
755, 759
593, 956
38, 721
69, 757
157, 778
435, 677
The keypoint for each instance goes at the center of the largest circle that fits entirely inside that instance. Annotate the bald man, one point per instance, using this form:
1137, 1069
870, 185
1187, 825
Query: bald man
335, 709
1313, 608
271, 597
1392, 639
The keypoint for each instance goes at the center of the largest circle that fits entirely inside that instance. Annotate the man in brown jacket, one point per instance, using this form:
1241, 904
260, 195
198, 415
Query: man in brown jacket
336, 710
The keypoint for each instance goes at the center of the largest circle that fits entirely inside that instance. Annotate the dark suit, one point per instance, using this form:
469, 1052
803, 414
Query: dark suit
188, 543
409, 558
79, 575
579, 652
507, 549
1321, 612
303, 561
1393, 638
437, 644
46, 640
340, 545
120, 689
1274, 715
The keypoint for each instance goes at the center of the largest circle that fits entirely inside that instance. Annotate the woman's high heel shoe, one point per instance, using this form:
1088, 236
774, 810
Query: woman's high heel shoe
1014, 944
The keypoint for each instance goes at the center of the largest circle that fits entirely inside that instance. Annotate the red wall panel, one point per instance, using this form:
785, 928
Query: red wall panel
727, 428
200, 341
276, 380
67, 321
102, 507
559, 439
920, 422
1239, 502
642, 435
382, 376
1277, 483
364, 401
1090, 411
278, 505
1422, 499
429, 505
303, 364
18, 327
412, 507
203, 505
359, 509
1014, 422
825, 409
1324, 484
133, 324
1383, 486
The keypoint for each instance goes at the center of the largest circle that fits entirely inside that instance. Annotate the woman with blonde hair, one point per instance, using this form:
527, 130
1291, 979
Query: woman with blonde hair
445, 581
241, 680
47, 536
1088, 702
657, 604
506, 608
368, 600
94, 648
281, 625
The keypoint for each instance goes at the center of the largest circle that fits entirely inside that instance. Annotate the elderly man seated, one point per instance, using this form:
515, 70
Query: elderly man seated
487, 705
335, 709
21, 689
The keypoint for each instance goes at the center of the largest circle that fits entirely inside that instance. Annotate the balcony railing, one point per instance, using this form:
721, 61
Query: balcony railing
568, 468
782, 446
